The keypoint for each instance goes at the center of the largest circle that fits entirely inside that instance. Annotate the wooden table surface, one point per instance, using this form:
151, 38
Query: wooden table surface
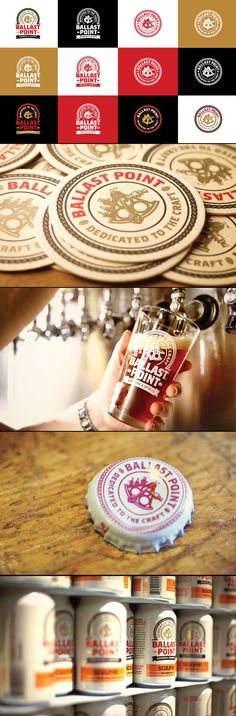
44, 525
53, 277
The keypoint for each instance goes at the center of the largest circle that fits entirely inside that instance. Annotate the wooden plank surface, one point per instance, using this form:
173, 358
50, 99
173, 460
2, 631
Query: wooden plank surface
44, 525
53, 277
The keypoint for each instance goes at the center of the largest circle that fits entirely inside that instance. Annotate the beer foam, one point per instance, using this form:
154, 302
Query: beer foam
147, 341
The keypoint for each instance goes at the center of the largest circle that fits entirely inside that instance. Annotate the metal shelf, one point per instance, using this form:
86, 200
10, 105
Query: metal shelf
16, 708
13, 584
8, 708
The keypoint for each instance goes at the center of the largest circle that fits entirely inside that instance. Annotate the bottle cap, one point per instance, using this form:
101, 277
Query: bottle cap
140, 504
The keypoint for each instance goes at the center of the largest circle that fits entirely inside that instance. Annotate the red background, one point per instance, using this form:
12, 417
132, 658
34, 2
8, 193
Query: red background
168, 59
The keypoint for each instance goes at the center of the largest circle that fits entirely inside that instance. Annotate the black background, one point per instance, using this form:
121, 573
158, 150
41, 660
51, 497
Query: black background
187, 80
168, 131
68, 12
48, 116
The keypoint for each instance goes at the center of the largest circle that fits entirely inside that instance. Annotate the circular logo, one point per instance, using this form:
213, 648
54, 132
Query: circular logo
88, 16
28, 17
208, 23
130, 492
88, 65
165, 630
104, 625
147, 71
64, 626
208, 119
148, 119
208, 71
162, 709
193, 631
159, 347
130, 631
147, 23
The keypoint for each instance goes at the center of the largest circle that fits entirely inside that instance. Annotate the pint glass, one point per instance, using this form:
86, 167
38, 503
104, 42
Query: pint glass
160, 341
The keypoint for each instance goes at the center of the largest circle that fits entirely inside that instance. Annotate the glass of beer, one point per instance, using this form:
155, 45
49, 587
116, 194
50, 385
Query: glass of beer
160, 342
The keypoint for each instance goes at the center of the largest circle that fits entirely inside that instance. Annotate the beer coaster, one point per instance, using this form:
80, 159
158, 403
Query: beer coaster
127, 212
212, 261
140, 504
21, 194
75, 261
211, 168
68, 157
44, 166
16, 155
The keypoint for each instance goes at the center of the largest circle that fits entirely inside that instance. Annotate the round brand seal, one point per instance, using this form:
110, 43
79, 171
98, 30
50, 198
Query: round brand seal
147, 71
208, 23
147, 119
165, 353
161, 709
147, 23
141, 502
127, 211
208, 71
211, 168
28, 17
208, 118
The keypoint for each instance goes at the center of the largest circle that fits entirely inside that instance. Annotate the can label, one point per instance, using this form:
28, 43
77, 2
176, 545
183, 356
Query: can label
64, 645
130, 647
228, 595
159, 710
162, 655
229, 660
193, 649
113, 583
99, 675
154, 586
103, 647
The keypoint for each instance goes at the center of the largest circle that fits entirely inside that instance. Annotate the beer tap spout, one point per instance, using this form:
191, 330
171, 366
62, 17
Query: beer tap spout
130, 316
85, 323
178, 296
230, 300
107, 319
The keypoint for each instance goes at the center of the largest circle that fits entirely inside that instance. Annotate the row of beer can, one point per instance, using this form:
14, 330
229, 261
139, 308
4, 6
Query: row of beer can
217, 700
49, 647
219, 591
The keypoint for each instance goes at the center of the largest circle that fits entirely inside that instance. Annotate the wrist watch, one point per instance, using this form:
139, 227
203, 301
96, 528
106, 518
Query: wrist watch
84, 417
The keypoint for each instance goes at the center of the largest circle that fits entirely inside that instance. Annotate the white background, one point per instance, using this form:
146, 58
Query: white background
67, 61
188, 106
48, 19
168, 35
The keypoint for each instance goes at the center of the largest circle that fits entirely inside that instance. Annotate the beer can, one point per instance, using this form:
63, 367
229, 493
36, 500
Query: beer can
224, 698
224, 646
115, 707
129, 646
224, 591
100, 646
194, 590
6, 600
159, 704
154, 646
36, 581
114, 584
195, 701
31, 648
155, 587
64, 646
65, 711
194, 646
